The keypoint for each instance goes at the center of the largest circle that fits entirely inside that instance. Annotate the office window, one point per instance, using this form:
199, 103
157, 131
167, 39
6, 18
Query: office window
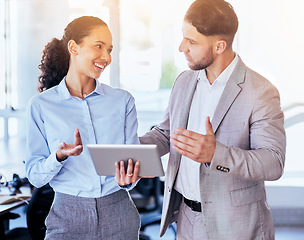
2, 57
267, 41
26, 27
149, 56
145, 62
2, 127
282, 65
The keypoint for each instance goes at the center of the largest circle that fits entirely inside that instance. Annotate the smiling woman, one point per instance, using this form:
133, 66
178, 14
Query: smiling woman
71, 99
88, 60
75, 55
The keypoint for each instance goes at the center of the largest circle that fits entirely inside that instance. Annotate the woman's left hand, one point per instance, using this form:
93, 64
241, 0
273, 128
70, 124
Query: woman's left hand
124, 178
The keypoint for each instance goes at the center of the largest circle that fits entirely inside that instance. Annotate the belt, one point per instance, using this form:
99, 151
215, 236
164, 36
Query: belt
194, 205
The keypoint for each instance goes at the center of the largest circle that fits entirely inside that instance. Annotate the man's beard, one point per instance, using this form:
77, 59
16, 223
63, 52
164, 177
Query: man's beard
204, 62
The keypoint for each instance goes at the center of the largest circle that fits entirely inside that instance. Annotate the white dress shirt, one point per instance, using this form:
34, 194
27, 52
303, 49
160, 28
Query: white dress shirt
105, 116
204, 103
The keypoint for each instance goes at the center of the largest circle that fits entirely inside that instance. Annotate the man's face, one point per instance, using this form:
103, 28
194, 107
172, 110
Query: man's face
198, 49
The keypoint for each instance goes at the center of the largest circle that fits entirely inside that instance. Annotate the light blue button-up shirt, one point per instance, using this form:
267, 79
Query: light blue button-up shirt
106, 116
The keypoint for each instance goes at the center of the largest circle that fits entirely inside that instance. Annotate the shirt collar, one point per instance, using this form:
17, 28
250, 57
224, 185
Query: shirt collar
64, 92
224, 76
99, 89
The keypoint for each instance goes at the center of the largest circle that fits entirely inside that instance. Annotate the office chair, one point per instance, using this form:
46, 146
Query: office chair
19, 233
37, 211
147, 198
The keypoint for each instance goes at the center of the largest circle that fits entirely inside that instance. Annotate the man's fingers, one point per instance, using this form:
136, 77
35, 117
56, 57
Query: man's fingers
209, 129
181, 138
185, 153
190, 135
181, 143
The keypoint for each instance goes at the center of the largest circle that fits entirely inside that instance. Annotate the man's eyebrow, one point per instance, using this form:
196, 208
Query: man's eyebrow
190, 39
103, 43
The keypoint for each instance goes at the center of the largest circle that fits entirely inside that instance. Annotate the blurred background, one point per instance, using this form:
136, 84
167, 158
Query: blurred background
146, 61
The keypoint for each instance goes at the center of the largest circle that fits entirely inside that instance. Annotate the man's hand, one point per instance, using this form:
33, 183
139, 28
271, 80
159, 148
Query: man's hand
64, 150
124, 178
198, 147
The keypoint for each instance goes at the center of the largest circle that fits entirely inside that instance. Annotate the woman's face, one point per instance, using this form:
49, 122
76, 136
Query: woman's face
94, 52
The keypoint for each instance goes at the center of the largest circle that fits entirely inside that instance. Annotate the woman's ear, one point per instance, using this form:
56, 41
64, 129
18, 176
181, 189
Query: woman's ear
220, 46
73, 47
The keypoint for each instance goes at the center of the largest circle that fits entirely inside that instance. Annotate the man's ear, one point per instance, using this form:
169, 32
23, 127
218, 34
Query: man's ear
73, 47
220, 46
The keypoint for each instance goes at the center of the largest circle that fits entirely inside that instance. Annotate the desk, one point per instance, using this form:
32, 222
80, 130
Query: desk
6, 208
24, 197
9, 207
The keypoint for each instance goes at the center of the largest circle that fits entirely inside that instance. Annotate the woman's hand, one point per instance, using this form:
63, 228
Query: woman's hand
64, 150
124, 178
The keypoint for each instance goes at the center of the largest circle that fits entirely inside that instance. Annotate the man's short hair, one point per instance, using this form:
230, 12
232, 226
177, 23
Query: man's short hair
213, 17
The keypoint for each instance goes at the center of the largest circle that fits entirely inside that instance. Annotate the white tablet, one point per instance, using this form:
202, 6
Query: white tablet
104, 157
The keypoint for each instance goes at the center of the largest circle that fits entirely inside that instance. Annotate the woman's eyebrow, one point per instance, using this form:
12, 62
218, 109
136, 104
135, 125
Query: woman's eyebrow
103, 43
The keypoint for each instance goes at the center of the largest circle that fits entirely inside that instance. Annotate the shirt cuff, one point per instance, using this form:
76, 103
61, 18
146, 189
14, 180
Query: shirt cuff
130, 186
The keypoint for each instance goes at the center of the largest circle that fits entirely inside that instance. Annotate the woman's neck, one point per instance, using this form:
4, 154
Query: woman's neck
79, 87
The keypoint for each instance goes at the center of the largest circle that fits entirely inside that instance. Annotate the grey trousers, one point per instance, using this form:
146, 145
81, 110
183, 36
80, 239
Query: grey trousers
113, 217
190, 224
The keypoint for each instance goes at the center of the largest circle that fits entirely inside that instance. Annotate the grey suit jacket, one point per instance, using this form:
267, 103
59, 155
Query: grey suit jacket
250, 148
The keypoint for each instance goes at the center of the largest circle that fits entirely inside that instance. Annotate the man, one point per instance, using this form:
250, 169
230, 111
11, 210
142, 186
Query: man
224, 131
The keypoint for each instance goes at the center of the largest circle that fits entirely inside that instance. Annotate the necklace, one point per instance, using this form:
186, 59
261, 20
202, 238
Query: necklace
82, 94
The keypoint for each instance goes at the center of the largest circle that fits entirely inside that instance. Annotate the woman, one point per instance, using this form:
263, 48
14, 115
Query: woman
86, 206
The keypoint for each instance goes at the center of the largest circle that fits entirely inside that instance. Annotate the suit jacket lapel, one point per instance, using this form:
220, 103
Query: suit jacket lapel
184, 114
187, 100
230, 93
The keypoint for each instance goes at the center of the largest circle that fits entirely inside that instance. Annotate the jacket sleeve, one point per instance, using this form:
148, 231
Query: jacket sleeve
159, 135
266, 157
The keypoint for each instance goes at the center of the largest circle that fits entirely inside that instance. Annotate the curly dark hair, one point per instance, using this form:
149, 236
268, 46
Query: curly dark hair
215, 17
55, 58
